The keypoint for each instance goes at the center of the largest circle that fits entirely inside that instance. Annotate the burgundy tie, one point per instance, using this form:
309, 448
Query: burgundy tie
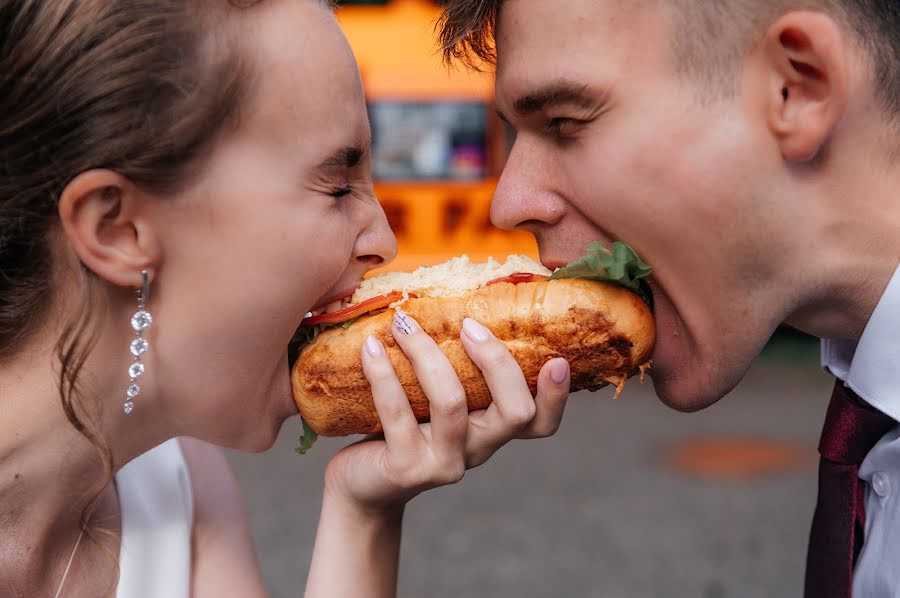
852, 427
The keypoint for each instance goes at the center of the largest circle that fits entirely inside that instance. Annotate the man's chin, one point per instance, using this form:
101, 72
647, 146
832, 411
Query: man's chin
685, 403
689, 390
688, 376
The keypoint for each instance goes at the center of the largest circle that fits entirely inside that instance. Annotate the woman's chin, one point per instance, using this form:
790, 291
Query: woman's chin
263, 437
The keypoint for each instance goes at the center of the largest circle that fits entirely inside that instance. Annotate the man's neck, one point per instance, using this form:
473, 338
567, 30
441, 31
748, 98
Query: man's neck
857, 250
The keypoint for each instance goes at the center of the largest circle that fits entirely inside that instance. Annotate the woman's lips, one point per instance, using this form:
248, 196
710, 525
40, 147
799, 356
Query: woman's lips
336, 305
335, 301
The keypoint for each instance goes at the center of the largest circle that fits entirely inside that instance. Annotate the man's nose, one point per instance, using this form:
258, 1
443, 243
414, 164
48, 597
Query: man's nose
526, 197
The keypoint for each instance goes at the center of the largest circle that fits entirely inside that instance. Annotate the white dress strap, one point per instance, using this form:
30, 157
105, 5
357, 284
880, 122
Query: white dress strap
157, 506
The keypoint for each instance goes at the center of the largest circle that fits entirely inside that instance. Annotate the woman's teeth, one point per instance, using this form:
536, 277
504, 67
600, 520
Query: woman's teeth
331, 307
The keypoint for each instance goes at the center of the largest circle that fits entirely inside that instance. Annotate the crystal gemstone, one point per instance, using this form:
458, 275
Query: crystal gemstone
139, 346
136, 369
129, 406
141, 320
133, 390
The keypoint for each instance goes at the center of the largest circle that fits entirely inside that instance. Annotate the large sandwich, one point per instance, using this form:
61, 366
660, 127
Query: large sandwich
595, 312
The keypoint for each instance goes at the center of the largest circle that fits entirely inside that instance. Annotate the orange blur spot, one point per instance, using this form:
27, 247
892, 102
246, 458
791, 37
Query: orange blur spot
739, 459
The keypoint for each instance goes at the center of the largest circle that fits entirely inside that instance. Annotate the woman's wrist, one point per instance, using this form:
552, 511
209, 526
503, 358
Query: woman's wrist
340, 503
355, 537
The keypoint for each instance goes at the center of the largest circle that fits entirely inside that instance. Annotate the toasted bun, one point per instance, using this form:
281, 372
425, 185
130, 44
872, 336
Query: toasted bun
604, 331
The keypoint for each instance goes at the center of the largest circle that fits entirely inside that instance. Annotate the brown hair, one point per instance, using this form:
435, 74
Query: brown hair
466, 31
136, 86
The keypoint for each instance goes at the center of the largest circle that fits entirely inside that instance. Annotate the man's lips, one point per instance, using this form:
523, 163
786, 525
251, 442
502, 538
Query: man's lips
554, 264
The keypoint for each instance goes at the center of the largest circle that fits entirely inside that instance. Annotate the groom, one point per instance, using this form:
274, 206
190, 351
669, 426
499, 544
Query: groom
750, 151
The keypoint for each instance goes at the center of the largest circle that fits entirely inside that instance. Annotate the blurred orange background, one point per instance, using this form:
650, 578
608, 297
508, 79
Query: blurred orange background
438, 146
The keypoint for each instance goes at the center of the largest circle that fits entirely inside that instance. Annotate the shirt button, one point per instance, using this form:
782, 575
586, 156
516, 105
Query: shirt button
880, 484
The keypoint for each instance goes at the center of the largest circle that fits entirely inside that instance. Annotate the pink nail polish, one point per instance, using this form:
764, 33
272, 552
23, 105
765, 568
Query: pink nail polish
373, 347
403, 323
559, 371
475, 331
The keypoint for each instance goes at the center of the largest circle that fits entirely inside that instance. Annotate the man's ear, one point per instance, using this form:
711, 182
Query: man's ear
805, 61
102, 216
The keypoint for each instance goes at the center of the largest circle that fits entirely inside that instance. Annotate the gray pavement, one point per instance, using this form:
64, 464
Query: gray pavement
596, 511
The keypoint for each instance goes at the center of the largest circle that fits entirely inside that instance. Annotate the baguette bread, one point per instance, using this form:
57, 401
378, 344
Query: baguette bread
604, 331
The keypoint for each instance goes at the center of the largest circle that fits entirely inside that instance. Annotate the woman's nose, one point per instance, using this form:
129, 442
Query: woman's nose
377, 245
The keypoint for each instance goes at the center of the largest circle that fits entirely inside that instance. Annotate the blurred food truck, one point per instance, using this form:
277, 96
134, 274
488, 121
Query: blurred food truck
437, 143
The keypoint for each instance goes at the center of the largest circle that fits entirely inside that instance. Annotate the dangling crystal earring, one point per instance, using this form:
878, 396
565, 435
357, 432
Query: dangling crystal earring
140, 321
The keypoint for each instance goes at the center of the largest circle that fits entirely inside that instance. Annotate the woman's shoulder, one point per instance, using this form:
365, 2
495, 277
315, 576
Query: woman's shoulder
195, 470
188, 485
156, 501
216, 491
157, 484
224, 553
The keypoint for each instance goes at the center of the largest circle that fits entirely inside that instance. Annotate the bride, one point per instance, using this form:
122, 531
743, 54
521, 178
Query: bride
180, 182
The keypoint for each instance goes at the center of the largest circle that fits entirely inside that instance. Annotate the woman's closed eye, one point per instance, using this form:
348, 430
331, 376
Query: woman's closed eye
339, 192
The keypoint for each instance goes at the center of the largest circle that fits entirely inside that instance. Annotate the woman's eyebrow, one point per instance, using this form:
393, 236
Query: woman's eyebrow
346, 157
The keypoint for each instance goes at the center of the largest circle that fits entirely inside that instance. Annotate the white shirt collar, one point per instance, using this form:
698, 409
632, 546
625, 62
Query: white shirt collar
870, 367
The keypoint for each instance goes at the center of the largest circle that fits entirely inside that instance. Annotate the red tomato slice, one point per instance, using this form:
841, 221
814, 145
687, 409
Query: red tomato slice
353, 311
518, 278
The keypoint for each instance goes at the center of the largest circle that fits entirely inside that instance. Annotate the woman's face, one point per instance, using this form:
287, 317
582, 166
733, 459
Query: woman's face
282, 220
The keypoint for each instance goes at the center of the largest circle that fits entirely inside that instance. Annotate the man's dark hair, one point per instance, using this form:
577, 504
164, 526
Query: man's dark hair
466, 31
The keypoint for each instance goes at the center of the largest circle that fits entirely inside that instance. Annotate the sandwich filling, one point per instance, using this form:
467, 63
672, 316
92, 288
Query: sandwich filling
452, 278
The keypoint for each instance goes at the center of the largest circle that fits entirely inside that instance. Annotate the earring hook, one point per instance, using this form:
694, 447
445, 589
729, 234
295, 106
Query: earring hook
145, 295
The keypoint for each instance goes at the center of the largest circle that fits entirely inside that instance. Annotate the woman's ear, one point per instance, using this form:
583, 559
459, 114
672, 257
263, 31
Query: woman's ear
805, 61
102, 216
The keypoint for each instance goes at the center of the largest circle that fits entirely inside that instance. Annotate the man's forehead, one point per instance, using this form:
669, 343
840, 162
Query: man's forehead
582, 41
563, 21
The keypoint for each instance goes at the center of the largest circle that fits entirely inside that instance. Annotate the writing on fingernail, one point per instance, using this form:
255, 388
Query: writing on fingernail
403, 322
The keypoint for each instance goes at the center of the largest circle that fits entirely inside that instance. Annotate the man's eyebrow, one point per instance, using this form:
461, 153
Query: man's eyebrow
346, 157
554, 94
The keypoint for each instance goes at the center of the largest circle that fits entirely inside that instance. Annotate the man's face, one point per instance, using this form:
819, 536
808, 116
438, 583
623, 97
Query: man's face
614, 144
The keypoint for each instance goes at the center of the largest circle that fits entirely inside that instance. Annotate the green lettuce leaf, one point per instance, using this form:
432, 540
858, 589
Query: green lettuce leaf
620, 266
307, 439
306, 335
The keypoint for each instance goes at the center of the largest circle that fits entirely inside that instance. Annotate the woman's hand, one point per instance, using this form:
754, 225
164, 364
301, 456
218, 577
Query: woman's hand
381, 474
368, 483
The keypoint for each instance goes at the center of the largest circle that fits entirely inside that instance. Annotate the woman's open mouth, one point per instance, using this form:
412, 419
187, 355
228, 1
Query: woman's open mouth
333, 302
336, 305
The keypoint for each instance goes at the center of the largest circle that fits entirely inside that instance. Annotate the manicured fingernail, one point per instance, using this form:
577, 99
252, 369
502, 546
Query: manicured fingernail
559, 371
373, 347
403, 323
475, 331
